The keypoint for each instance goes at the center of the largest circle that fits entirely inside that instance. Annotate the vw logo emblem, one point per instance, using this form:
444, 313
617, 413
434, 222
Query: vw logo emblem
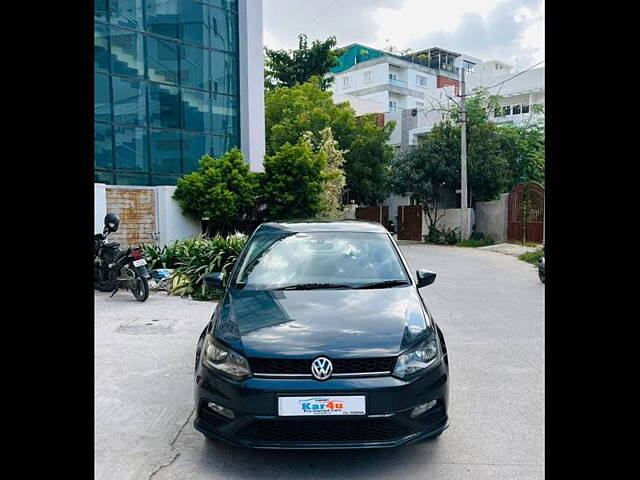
321, 368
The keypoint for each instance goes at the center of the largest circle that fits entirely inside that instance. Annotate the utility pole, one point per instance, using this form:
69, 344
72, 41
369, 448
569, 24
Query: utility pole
464, 234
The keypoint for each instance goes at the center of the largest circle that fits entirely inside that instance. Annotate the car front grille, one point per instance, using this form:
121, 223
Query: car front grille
286, 366
324, 431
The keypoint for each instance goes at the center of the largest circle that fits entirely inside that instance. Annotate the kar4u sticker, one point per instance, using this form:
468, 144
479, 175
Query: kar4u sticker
323, 405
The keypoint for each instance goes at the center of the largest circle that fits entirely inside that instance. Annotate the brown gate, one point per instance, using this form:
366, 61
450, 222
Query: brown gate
375, 214
526, 213
410, 222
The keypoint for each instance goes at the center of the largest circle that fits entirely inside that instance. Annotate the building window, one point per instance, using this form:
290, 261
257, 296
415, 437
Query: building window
393, 106
422, 81
367, 77
516, 109
506, 110
393, 76
497, 112
468, 66
525, 108
345, 82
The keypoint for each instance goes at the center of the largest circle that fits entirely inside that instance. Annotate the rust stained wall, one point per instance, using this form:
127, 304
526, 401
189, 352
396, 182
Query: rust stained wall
137, 211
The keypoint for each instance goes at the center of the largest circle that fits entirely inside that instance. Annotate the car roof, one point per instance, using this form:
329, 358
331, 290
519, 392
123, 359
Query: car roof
360, 226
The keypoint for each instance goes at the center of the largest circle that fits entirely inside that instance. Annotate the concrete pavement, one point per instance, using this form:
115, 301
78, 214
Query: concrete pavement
490, 307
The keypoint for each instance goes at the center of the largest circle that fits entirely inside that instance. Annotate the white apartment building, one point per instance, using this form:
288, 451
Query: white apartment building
395, 84
521, 92
413, 89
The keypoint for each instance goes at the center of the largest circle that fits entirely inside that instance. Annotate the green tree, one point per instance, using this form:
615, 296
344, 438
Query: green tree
222, 189
333, 178
428, 170
294, 67
290, 112
292, 181
524, 149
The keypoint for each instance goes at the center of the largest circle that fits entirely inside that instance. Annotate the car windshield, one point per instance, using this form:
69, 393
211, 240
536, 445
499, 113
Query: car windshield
286, 260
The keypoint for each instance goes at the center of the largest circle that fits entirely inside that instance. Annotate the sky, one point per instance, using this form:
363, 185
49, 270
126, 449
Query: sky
507, 30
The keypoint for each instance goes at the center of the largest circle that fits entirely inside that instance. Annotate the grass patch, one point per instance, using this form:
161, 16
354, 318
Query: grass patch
474, 243
531, 257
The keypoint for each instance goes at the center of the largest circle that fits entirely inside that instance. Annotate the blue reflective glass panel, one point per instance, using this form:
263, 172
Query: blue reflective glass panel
129, 101
194, 147
164, 106
165, 152
127, 53
194, 67
221, 145
127, 13
224, 29
131, 149
103, 146
101, 48
162, 17
194, 22
101, 98
103, 177
224, 73
196, 110
164, 179
162, 60
132, 178
100, 10
225, 118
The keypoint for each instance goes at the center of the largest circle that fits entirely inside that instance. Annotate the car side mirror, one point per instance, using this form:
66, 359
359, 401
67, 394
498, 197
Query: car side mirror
425, 277
214, 279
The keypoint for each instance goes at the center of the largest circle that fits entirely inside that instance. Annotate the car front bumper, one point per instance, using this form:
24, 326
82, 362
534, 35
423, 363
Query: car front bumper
388, 423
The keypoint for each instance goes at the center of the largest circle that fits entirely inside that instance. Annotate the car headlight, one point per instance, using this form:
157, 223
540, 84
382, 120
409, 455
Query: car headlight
413, 362
224, 360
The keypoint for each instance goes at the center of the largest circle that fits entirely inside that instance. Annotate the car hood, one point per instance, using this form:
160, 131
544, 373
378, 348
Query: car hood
336, 323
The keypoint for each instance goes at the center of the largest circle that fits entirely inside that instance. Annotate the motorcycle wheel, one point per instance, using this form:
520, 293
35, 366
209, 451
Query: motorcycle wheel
140, 288
541, 275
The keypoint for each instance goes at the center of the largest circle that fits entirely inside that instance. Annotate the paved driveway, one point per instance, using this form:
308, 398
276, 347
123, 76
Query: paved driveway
490, 307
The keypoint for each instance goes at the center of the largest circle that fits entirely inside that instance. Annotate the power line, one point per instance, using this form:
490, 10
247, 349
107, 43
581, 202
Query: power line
317, 16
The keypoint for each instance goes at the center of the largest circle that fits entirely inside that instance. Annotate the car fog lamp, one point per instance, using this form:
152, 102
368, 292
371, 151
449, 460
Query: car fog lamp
420, 409
225, 412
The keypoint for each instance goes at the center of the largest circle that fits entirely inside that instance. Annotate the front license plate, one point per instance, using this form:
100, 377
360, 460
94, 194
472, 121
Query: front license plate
139, 263
321, 405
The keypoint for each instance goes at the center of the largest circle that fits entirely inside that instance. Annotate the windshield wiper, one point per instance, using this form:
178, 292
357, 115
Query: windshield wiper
383, 284
312, 286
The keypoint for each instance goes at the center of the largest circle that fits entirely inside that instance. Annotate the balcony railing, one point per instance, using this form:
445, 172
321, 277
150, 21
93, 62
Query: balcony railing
398, 83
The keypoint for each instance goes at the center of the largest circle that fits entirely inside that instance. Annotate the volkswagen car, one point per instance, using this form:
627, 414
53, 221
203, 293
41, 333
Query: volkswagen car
322, 340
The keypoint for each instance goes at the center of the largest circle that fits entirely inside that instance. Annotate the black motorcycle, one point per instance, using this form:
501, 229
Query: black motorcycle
541, 266
115, 268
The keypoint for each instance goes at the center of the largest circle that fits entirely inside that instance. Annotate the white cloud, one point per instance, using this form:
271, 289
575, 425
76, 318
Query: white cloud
509, 30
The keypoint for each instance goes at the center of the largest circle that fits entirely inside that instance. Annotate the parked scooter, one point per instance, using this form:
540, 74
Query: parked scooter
115, 268
541, 266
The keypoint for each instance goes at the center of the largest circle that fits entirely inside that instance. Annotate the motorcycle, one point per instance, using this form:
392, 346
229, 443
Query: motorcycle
115, 268
541, 266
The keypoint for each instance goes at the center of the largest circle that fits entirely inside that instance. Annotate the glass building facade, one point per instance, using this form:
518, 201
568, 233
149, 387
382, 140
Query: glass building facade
166, 87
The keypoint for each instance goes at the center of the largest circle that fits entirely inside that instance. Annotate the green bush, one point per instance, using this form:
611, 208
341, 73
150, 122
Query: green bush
442, 236
532, 257
222, 189
475, 242
194, 258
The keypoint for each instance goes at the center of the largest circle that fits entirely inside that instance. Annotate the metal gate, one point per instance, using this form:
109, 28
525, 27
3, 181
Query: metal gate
526, 213
410, 222
375, 214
